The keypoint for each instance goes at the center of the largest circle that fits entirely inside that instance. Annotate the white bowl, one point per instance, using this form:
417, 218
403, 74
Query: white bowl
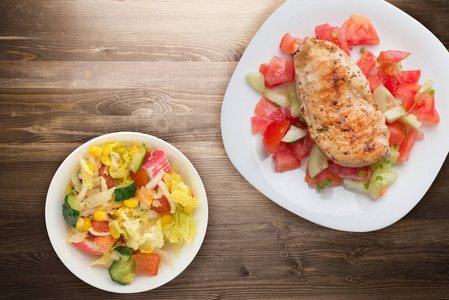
77, 261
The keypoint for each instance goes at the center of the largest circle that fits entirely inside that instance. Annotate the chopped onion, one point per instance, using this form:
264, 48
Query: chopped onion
83, 164
155, 180
165, 257
91, 230
92, 192
99, 198
159, 194
76, 181
82, 194
104, 185
167, 195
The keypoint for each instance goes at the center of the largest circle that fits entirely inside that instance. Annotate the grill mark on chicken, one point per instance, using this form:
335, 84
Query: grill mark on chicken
336, 102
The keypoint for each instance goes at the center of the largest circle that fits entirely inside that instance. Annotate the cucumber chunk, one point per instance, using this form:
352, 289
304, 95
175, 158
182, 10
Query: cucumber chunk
138, 157
125, 191
257, 81
124, 252
294, 134
71, 210
383, 98
410, 121
395, 113
278, 95
424, 90
356, 185
122, 271
317, 161
381, 178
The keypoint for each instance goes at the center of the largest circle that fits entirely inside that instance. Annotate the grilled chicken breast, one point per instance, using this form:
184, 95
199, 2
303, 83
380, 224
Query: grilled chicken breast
336, 102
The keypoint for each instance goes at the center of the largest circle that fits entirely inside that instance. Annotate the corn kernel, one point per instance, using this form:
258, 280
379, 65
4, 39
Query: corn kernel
166, 219
131, 203
91, 167
95, 151
79, 224
100, 215
87, 224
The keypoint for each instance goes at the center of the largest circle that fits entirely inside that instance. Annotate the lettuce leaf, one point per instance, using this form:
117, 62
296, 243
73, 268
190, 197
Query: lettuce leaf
182, 228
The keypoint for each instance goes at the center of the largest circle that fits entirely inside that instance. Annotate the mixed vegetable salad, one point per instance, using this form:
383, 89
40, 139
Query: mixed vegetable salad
124, 204
405, 103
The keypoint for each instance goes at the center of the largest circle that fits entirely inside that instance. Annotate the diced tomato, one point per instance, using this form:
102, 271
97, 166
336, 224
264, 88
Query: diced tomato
374, 81
393, 83
141, 177
406, 92
324, 175
161, 205
100, 226
366, 62
397, 132
147, 263
110, 182
266, 109
280, 70
408, 143
259, 124
332, 34
274, 134
282, 146
104, 242
357, 173
425, 111
156, 162
392, 56
263, 69
359, 30
391, 79
300, 149
288, 116
290, 44
90, 236
411, 76
284, 160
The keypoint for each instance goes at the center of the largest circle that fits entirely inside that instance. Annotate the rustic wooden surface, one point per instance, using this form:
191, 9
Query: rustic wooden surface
73, 70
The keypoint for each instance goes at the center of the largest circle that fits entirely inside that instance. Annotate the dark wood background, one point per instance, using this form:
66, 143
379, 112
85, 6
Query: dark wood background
73, 70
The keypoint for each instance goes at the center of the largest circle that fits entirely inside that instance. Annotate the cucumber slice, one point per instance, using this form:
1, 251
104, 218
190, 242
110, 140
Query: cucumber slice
125, 191
293, 100
257, 81
317, 161
138, 157
293, 134
356, 185
382, 177
394, 155
395, 113
122, 271
410, 121
383, 98
124, 252
278, 95
424, 90
71, 210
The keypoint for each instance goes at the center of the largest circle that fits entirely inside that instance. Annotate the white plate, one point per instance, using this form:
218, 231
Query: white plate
78, 261
338, 208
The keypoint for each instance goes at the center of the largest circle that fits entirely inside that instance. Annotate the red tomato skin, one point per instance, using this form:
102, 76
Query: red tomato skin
288, 116
164, 208
411, 76
100, 226
274, 134
408, 143
280, 70
140, 177
266, 109
357, 173
406, 92
110, 182
374, 81
397, 132
366, 62
425, 111
359, 30
284, 161
259, 124
300, 149
147, 263
322, 176
263, 69
392, 56
325, 31
104, 242
290, 44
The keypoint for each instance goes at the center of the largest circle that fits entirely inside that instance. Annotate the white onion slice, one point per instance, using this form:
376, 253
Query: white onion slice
167, 195
91, 230
155, 180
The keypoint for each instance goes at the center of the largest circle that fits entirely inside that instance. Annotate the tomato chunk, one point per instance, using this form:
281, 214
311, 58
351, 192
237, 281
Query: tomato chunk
425, 111
408, 143
284, 160
397, 132
141, 177
392, 56
411, 76
290, 44
263, 69
274, 134
161, 205
266, 109
366, 62
374, 81
406, 92
357, 173
110, 182
332, 34
280, 70
359, 30
324, 178
300, 149
104, 242
259, 124
100, 226
147, 263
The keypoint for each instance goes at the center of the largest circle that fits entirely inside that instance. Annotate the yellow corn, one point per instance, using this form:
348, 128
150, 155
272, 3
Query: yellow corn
100, 215
87, 224
166, 219
80, 224
118, 212
95, 151
91, 167
131, 203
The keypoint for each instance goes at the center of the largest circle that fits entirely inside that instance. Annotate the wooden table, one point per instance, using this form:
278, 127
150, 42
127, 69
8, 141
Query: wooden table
73, 70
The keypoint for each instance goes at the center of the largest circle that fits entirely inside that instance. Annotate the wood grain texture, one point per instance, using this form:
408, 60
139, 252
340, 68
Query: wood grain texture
72, 70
